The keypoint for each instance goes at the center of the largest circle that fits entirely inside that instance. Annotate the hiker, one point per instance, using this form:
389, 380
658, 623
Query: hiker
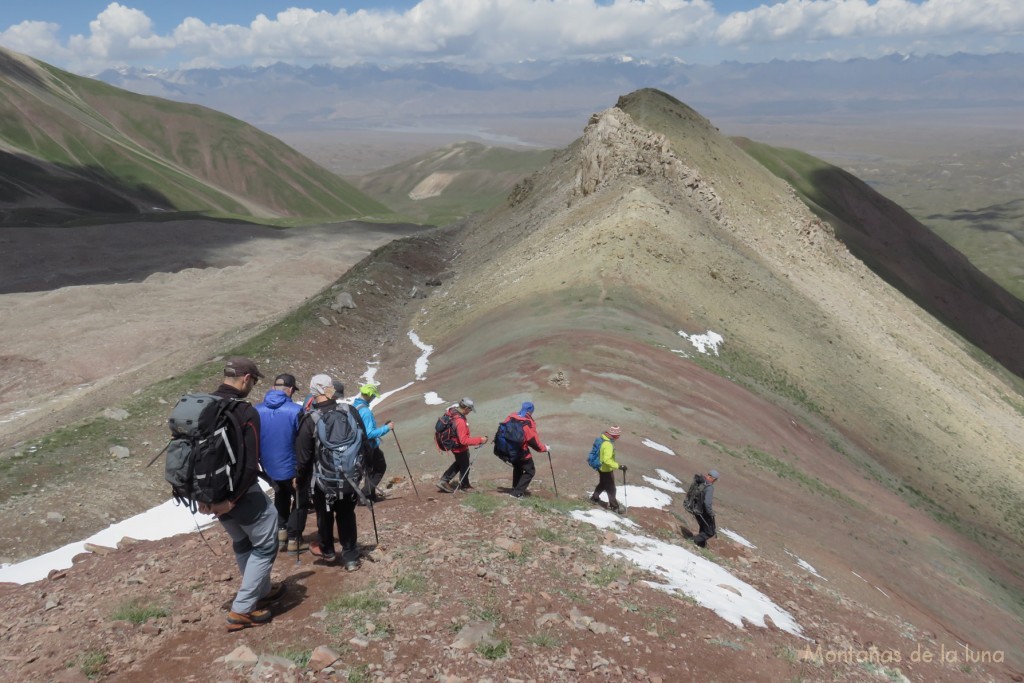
703, 509
375, 463
250, 519
279, 424
330, 507
606, 467
461, 440
523, 468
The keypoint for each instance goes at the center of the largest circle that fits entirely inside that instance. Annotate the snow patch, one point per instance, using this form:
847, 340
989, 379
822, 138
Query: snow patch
432, 399
805, 566
666, 482
371, 371
704, 342
421, 362
682, 571
640, 497
739, 539
657, 446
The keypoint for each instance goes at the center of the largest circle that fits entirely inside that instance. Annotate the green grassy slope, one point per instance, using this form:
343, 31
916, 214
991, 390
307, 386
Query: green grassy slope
451, 182
65, 140
905, 253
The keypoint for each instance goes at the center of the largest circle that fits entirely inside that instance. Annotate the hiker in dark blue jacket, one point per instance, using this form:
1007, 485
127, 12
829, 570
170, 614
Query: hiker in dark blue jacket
375, 463
279, 423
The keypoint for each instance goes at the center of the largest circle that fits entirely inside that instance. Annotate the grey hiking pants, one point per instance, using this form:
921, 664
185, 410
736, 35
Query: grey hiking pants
252, 526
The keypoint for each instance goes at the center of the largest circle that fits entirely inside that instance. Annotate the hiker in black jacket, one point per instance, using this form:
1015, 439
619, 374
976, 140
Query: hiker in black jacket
330, 509
705, 511
249, 518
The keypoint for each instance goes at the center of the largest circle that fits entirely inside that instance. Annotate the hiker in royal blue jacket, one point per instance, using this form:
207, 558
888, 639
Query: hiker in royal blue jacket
279, 423
375, 463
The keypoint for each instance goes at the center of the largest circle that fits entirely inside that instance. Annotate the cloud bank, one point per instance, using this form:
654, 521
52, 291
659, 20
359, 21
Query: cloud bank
502, 31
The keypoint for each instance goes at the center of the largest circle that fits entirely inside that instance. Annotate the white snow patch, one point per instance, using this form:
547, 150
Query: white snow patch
371, 371
421, 362
739, 539
681, 571
657, 446
805, 566
666, 482
380, 399
640, 497
704, 342
432, 399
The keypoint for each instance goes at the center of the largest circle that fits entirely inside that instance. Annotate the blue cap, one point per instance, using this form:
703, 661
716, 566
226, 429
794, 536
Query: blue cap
713, 474
526, 409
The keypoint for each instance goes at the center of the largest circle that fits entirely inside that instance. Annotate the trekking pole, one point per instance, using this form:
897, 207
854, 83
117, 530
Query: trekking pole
373, 516
625, 491
294, 515
551, 465
405, 461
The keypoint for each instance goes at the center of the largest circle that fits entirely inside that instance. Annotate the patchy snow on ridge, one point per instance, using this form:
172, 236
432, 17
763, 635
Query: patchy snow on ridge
371, 371
657, 446
806, 567
640, 497
421, 362
704, 342
432, 399
739, 539
711, 585
666, 482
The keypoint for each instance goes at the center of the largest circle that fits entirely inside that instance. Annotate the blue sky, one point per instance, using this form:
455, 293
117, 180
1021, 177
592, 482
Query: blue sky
87, 36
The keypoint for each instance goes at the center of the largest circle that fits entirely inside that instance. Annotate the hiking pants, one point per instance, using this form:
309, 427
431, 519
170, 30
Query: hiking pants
522, 475
461, 465
297, 517
283, 497
376, 466
342, 512
707, 528
606, 483
252, 526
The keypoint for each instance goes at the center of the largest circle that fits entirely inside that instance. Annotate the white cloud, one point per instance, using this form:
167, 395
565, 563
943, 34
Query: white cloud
492, 31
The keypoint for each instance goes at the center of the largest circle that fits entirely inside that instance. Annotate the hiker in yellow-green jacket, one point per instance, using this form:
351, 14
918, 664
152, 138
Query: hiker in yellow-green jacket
607, 467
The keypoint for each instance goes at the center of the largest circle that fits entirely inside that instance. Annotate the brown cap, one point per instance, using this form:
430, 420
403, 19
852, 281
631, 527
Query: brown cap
238, 367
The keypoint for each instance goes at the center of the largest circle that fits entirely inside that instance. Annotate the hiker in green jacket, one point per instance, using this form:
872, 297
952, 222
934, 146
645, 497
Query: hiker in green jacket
606, 471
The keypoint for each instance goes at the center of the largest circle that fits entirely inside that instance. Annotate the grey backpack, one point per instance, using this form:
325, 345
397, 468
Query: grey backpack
341, 449
203, 454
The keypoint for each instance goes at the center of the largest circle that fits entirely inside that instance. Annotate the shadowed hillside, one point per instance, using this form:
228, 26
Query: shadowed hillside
905, 253
73, 146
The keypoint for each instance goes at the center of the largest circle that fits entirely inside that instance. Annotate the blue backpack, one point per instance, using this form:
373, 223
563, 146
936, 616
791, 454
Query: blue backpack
594, 459
509, 441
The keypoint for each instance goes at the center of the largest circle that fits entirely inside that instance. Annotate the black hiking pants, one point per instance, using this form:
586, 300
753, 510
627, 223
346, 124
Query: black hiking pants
342, 512
706, 523
522, 474
461, 465
284, 494
606, 484
297, 518
376, 466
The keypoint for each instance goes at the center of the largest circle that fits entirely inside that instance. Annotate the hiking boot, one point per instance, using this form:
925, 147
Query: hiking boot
318, 551
515, 494
295, 545
282, 539
468, 487
595, 500
257, 617
353, 565
445, 486
277, 591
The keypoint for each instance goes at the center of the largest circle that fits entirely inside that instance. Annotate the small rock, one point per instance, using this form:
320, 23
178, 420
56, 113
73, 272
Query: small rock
241, 655
342, 301
414, 609
359, 642
549, 618
473, 634
433, 282
325, 322
119, 414
731, 589
54, 517
322, 658
598, 628
150, 629
57, 574
98, 549
119, 452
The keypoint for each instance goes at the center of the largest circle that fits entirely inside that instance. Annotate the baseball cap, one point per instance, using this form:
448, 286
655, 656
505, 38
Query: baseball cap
467, 403
369, 390
285, 380
339, 387
239, 367
713, 474
320, 384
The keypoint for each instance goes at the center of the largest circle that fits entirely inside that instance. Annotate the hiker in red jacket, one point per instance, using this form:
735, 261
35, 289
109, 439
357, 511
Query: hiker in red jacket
523, 468
460, 441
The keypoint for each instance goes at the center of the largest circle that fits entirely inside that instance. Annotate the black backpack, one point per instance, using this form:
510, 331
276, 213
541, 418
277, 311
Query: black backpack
341, 450
203, 456
694, 502
445, 435
509, 441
